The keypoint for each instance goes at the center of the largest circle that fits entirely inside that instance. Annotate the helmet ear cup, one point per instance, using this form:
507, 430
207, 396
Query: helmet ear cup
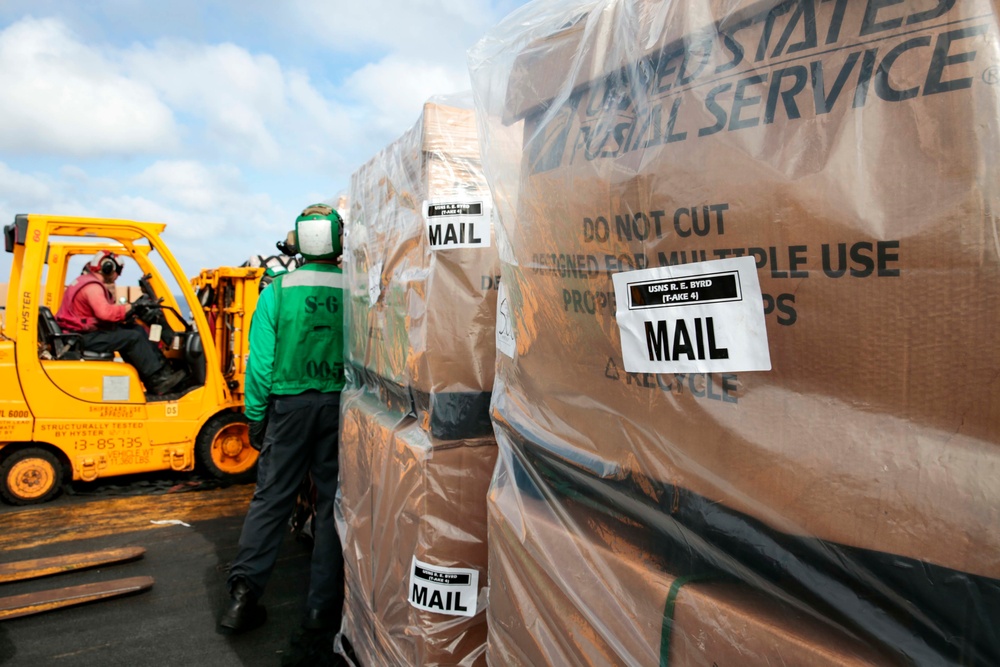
106, 263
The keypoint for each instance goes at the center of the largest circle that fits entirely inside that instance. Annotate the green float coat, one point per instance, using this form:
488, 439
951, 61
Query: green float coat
297, 337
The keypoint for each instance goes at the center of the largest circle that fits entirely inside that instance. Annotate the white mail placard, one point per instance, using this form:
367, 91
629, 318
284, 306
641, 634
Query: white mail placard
705, 317
458, 223
445, 590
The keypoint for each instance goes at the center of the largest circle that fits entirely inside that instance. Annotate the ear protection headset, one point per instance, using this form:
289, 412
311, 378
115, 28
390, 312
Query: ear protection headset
106, 262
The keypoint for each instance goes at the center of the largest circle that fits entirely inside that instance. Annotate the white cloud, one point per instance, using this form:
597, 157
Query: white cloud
189, 184
315, 126
223, 102
64, 97
212, 217
396, 88
182, 223
224, 141
14, 184
22, 192
202, 202
225, 231
433, 30
61, 96
242, 105
230, 91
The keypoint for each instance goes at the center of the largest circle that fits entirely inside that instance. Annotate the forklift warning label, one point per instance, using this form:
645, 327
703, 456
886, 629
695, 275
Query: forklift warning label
115, 388
117, 411
445, 590
458, 224
705, 317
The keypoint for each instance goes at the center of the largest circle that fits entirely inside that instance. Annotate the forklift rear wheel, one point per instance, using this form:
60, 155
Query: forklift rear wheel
223, 447
30, 476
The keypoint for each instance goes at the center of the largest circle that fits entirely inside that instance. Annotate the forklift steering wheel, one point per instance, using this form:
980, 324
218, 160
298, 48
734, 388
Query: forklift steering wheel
145, 309
147, 291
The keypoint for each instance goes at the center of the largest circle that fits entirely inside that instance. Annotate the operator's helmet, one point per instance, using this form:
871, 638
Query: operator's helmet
318, 232
106, 262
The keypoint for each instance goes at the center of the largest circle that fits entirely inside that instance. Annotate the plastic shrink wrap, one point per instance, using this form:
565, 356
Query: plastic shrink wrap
686, 478
417, 449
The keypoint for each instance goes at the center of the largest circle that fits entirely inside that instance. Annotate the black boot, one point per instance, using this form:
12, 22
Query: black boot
242, 613
316, 619
165, 379
312, 648
312, 644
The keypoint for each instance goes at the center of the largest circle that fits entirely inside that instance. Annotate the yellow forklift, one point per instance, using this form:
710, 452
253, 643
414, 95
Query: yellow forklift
228, 295
69, 413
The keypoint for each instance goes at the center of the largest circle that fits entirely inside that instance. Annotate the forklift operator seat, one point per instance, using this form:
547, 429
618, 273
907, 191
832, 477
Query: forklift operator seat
64, 345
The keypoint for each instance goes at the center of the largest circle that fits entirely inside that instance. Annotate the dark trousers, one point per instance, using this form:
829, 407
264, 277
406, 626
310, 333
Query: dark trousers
133, 343
302, 436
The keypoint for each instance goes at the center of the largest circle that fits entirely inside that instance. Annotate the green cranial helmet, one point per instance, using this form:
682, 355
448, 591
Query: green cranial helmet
318, 231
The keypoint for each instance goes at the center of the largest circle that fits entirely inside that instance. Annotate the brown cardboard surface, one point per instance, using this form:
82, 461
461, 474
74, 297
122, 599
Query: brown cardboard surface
568, 593
358, 627
361, 424
450, 131
431, 327
872, 214
420, 498
129, 292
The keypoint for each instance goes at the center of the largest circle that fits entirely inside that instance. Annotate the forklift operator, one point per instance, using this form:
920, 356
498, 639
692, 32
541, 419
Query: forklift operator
89, 308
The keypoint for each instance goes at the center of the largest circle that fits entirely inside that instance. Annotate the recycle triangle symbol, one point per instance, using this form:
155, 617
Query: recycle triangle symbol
611, 370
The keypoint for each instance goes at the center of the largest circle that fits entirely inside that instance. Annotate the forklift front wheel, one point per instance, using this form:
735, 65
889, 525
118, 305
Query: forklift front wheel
30, 476
223, 447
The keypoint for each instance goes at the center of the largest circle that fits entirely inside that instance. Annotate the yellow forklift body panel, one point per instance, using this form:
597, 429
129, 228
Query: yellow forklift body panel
16, 422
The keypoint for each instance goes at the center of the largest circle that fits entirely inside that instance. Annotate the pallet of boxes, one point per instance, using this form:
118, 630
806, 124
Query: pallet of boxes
417, 450
747, 398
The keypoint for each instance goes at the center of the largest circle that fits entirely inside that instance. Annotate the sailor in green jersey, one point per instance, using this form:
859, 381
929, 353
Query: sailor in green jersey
294, 376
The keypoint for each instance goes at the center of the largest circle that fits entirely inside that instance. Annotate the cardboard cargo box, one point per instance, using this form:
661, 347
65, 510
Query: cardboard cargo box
850, 150
128, 292
421, 260
359, 631
363, 420
566, 590
418, 556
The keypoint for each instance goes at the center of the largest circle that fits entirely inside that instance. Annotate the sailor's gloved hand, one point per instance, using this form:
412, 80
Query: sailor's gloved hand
142, 307
257, 430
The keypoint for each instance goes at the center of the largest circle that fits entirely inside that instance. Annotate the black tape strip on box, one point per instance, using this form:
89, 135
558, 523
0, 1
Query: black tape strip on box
923, 613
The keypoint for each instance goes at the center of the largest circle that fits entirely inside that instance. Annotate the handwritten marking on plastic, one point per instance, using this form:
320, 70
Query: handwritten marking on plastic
505, 324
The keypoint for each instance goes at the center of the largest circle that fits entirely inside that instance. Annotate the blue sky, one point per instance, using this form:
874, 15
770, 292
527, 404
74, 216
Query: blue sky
221, 118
